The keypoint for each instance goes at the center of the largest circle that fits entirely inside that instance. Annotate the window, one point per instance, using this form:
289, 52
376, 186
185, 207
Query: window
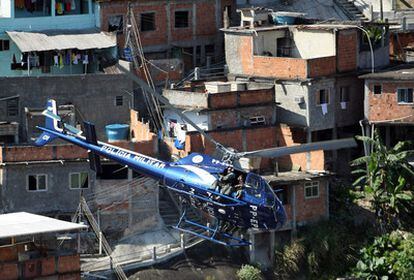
312, 189
12, 107
148, 22
115, 23
344, 94
377, 89
258, 120
79, 180
405, 95
37, 182
119, 100
181, 19
323, 97
4, 45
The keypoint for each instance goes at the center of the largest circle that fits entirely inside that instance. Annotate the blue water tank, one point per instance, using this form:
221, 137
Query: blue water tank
117, 132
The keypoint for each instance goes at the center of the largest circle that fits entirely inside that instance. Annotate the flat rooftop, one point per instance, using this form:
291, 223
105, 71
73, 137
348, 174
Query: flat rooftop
400, 72
23, 223
294, 176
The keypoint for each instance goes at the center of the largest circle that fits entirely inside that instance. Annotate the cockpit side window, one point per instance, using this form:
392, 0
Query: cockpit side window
254, 185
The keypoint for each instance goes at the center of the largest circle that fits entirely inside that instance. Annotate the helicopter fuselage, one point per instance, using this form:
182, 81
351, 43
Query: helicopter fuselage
194, 179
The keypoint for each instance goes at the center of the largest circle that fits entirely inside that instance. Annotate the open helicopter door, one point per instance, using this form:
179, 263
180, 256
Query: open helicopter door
94, 160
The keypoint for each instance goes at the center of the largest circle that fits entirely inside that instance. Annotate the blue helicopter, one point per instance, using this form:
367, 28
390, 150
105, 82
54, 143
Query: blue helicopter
248, 202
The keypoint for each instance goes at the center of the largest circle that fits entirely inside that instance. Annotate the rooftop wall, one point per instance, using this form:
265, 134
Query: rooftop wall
92, 95
222, 100
241, 61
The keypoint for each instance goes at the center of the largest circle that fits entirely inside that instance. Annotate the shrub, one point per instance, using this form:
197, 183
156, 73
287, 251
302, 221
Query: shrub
249, 272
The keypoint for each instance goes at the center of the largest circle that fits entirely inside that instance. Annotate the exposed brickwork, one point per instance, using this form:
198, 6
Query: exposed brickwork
222, 100
324, 66
347, 51
67, 152
311, 209
205, 19
240, 98
384, 107
48, 266
273, 136
9, 271
398, 41
282, 67
68, 263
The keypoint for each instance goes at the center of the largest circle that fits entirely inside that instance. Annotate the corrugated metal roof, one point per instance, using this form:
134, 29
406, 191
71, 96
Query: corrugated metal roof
31, 41
23, 223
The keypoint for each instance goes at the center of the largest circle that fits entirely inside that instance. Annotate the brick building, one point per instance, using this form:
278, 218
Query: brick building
188, 30
389, 103
313, 68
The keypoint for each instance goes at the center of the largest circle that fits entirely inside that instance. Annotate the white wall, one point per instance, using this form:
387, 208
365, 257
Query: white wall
313, 43
5, 8
201, 120
267, 41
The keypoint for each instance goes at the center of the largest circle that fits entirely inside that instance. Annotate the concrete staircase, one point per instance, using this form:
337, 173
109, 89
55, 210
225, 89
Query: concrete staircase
170, 212
350, 10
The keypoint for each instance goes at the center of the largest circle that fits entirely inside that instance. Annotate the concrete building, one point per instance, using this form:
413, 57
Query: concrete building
388, 103
313, 68
187, 30
30, 250
36, 39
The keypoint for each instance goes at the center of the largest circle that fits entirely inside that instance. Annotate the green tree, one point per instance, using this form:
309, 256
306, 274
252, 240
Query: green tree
387, 180
390, 256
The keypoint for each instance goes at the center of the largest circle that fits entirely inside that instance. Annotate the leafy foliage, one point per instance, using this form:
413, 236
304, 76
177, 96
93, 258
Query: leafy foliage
387, 179
390, 256
249, 272
324, 250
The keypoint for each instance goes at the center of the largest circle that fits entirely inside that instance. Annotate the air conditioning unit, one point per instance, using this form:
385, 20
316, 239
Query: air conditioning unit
299, 99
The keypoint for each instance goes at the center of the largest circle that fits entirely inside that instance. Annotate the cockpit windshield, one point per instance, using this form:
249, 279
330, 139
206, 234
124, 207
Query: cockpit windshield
257, 187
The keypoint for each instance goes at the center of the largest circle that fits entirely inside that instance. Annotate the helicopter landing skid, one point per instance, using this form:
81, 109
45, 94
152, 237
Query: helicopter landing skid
213, 234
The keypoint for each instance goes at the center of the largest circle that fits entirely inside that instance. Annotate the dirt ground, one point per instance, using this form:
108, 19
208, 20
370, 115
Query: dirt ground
204, 261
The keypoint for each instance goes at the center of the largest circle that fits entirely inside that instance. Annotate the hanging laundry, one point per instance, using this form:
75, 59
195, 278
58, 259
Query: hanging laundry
73, 5
56, 60
76, 58
67, 58
343, 105
28, 4
19, 4
59, 8
61, 61
324, 108
68, 4
85, 59
36, 60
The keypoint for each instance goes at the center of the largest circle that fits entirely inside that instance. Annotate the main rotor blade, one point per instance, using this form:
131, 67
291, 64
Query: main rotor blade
283, 151
167, 104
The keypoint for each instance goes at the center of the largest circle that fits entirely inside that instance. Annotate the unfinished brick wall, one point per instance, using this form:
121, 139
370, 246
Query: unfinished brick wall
398, 41
311, 209
240, 98
204, 19
280, 67
255, 139
347, 50
67, 152
384, 106
323, 66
